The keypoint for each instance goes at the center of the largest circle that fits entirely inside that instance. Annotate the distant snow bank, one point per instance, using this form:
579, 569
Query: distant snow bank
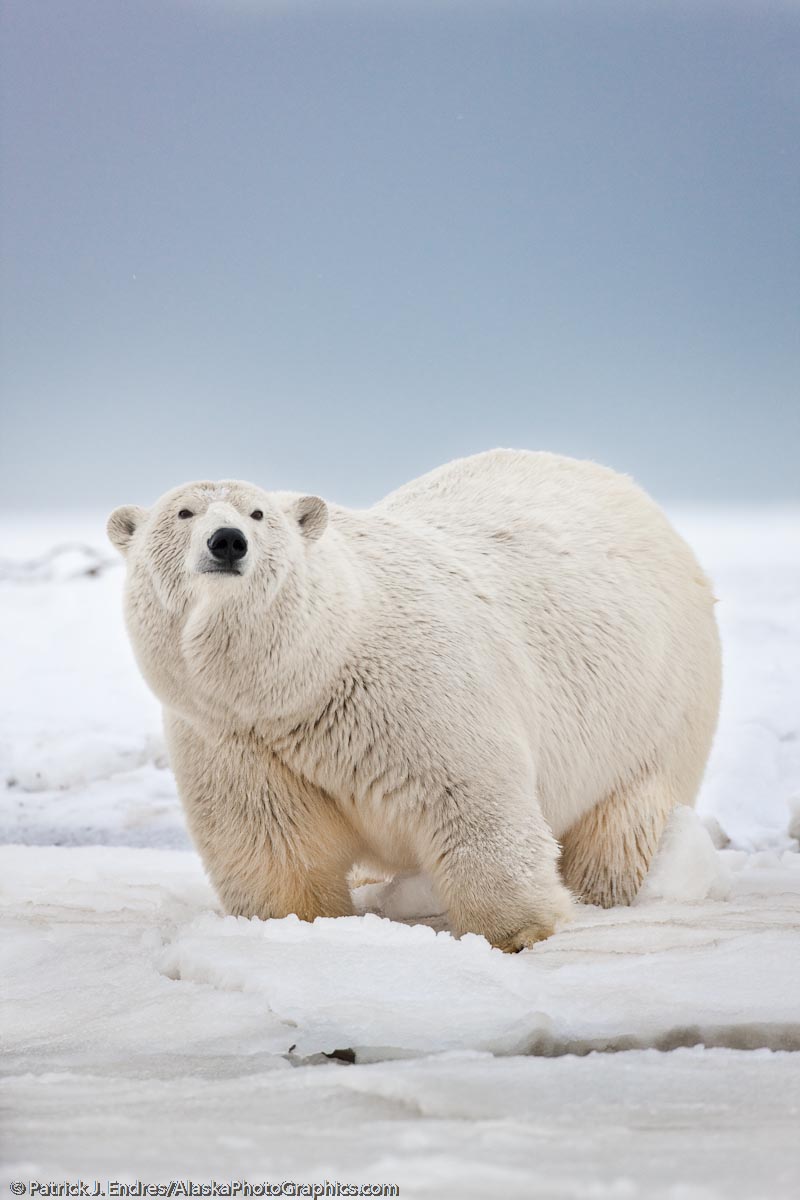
734, 538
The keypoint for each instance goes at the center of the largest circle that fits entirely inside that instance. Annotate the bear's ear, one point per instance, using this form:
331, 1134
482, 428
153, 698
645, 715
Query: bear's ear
311, 515
122, 525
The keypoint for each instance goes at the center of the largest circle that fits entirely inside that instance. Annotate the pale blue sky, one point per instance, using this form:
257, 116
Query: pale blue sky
330, 245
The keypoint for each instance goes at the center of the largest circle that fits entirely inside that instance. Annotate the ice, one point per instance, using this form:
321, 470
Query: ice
140, 930
691, 1125
146, 1035
643, 1052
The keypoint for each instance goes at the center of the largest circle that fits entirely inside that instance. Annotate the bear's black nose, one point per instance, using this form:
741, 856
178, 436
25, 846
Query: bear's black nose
228, 545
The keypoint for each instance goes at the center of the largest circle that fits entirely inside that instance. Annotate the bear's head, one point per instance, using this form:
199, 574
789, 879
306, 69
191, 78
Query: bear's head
215, 535
208, 567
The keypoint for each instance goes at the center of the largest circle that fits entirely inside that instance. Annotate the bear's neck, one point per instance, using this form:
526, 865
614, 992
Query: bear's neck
272, 673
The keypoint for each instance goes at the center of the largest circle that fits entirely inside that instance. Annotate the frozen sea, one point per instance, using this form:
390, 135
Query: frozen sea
644, 1052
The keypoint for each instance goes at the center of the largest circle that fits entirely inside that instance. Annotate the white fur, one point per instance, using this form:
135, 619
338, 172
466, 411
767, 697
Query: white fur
513, 649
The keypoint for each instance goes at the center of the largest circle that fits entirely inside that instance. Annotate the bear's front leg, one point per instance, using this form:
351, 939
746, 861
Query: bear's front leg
494, 862
271, 843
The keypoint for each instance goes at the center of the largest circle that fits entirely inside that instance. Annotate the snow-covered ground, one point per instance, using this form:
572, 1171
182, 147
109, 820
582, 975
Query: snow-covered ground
643, 1052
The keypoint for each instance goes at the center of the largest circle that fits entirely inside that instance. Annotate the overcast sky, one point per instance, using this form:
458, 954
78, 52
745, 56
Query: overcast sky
329, 245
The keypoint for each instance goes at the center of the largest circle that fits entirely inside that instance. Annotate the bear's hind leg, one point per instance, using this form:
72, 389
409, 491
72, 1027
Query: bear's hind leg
606, 854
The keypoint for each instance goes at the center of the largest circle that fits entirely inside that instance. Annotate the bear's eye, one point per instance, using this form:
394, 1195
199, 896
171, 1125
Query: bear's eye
184, 513
256, 514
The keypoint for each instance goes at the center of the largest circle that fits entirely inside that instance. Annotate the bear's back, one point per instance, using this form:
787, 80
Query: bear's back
502, 493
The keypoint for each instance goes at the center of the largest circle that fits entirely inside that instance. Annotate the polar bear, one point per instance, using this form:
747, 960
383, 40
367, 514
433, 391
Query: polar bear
508, 662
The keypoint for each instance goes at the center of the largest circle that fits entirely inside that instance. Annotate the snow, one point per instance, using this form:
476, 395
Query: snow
687, 866
651, 1051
